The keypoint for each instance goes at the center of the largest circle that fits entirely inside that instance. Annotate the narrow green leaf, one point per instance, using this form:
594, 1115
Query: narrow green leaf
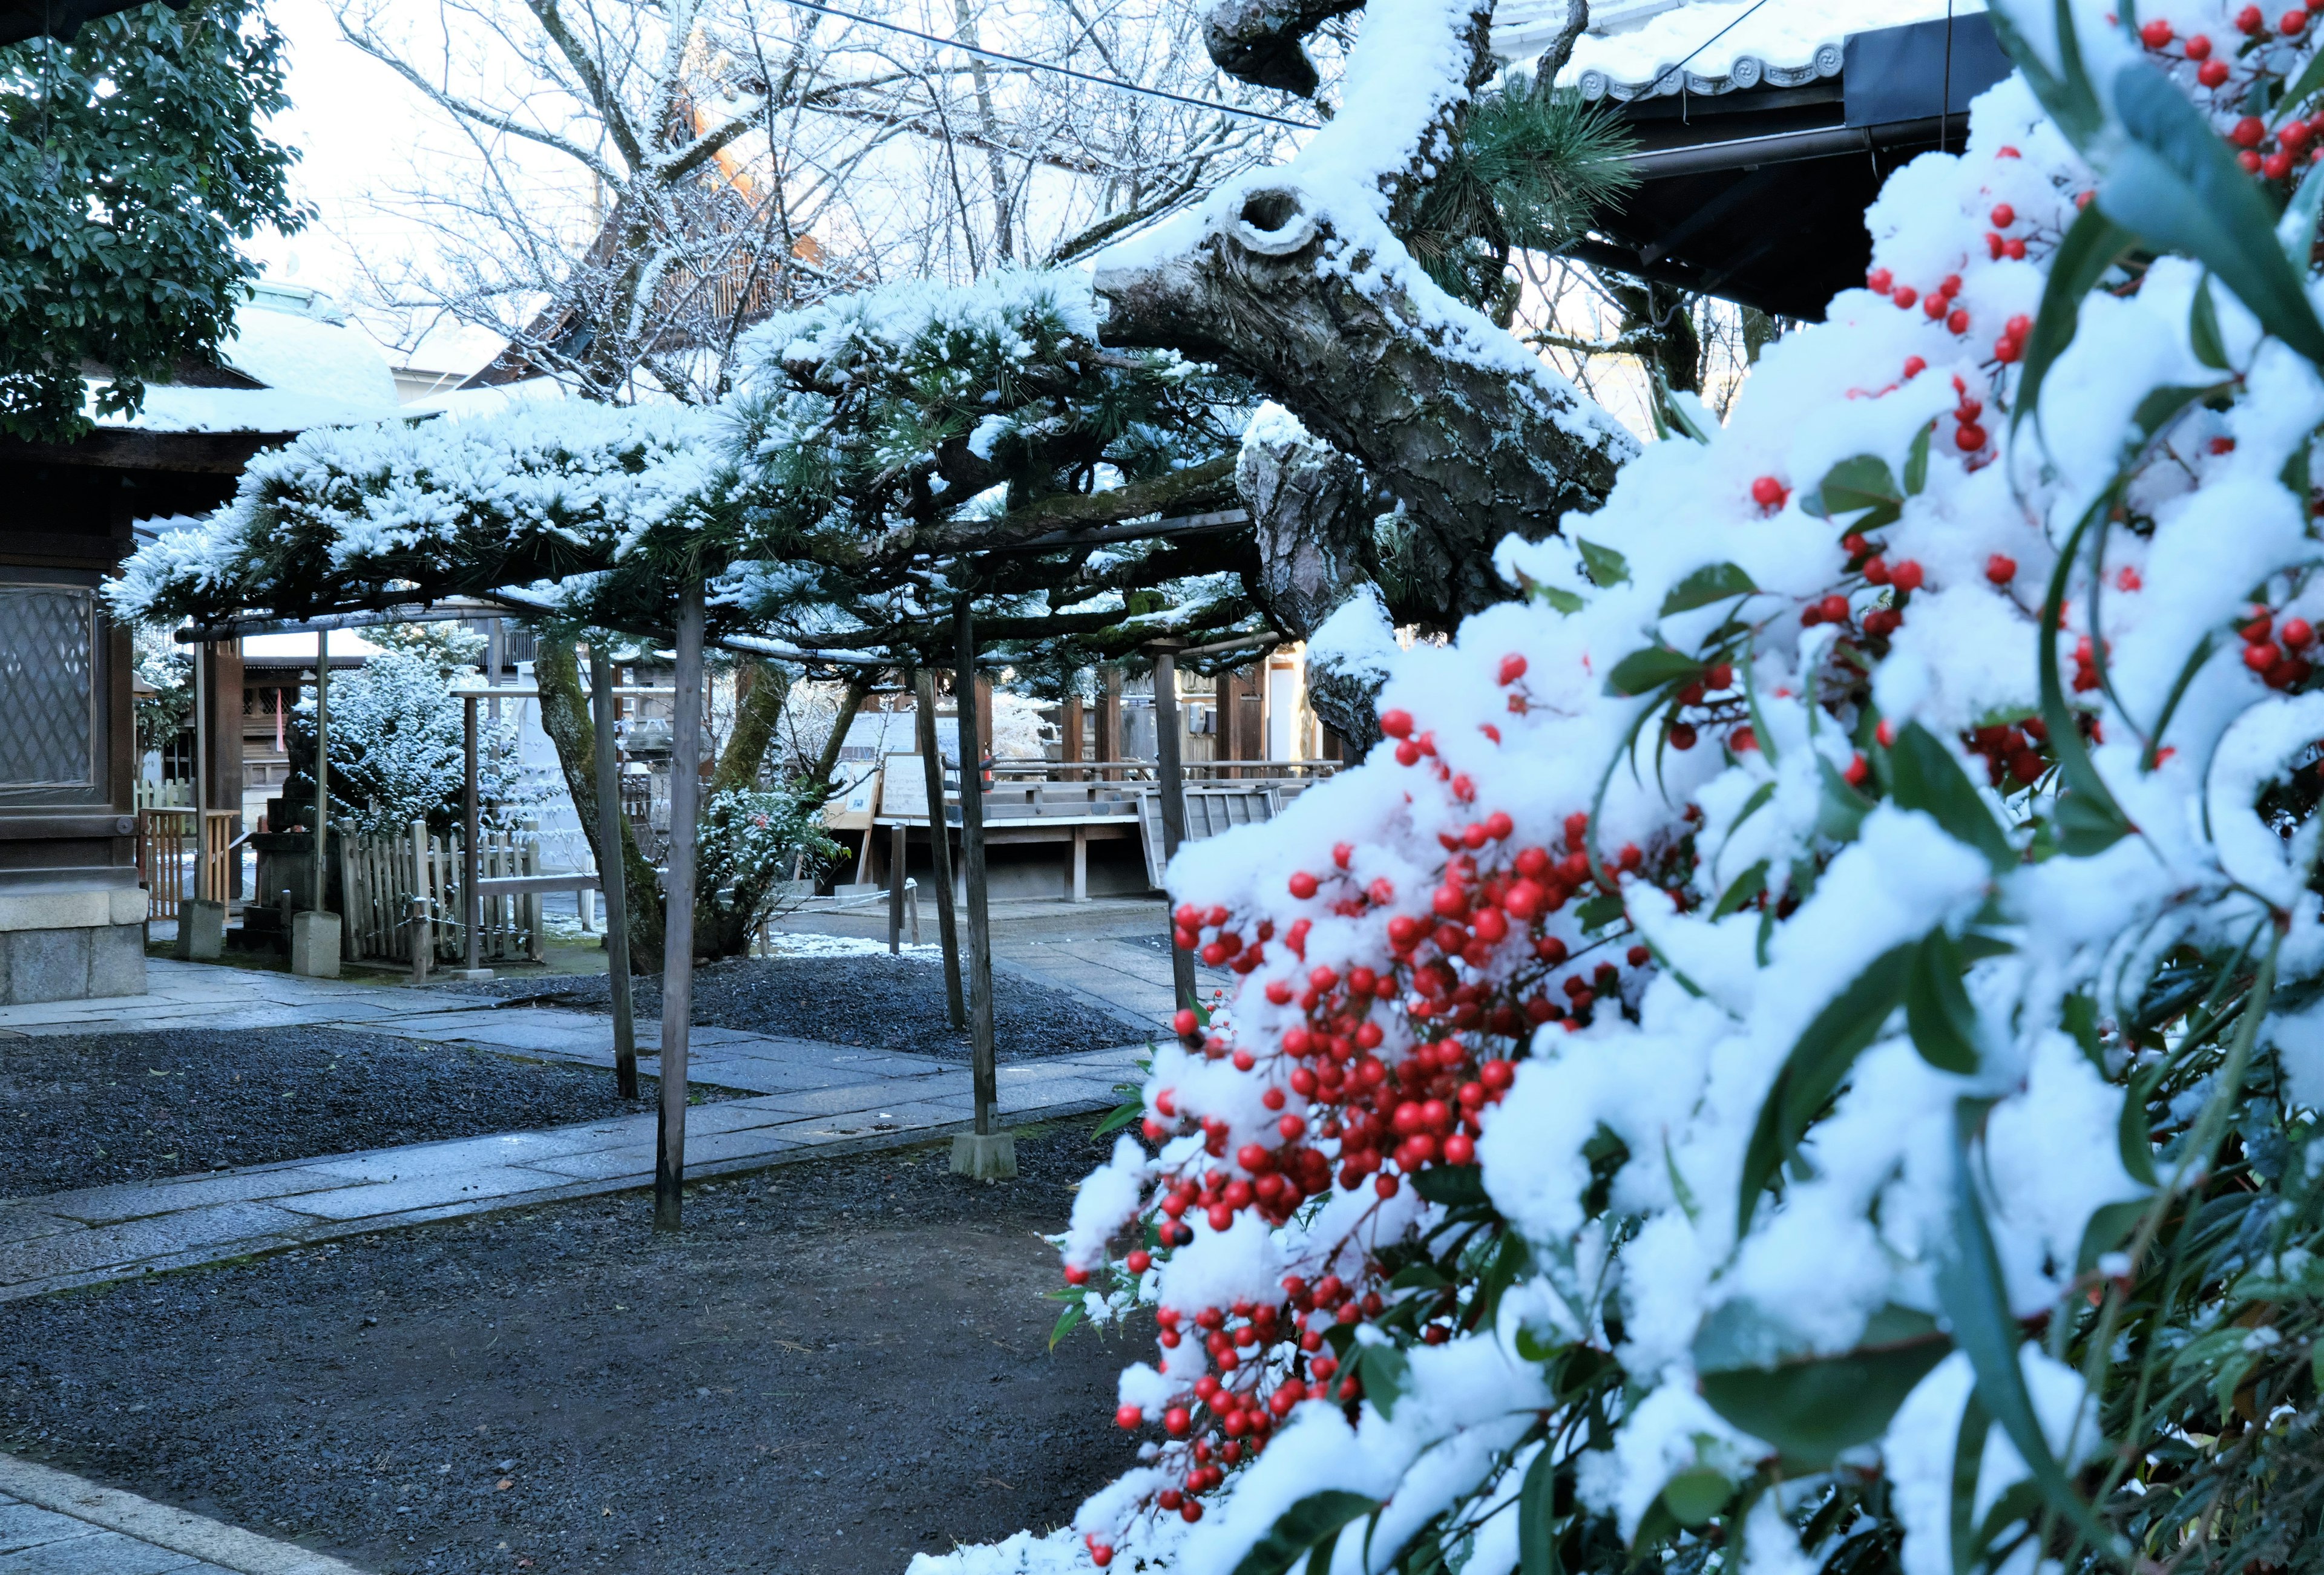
1841, 812
1976, 1302
2093, 243
1303, 1526
1819, 1062
1924, 775
1916, 462
1537, 1518
2203, 328
1812, 1408
2108, 1227
2302, 88
1742, 890
1641, 672
1937, 1009
1383, 1373
2066, 94
1599, 911
2177, 186
1121, 1116
1712, 583
2131, 1134
1564, 601
1065, 1321
1606, 566
2080, 1017
1695, 1497
1968, 1461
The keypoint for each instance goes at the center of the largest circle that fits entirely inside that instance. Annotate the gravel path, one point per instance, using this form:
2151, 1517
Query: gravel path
883, 1002
838, 1363
87, 1110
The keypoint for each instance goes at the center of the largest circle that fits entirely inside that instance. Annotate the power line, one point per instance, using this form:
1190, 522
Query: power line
1655, 86
1116, 82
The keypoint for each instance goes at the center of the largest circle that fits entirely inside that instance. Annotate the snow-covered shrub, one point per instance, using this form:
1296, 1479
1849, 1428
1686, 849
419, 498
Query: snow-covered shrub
398, 752
750, 840
1802, 1050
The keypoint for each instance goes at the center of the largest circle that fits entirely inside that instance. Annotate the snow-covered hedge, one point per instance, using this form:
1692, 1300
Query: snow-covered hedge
1797, 1052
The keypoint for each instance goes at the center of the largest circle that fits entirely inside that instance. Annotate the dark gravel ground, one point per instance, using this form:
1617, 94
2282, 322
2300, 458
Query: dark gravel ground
888, 1003
84, 1110
837, 1364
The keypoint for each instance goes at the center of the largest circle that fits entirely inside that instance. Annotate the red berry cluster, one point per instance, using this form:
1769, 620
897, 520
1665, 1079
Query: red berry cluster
1937, 304
2276, 653
2013, 754
2250, 135
1997, 245
1717, 678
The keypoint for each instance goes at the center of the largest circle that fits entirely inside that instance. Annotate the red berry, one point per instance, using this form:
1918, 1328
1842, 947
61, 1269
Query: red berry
1879, 280
2293, 23
1858, 769
1682, 737
1183, 1022
1742, 740
1176, 1422
1292, 1128
1904, 295
1956, 322
1936, 306
1100, 1555
2249, 20
1876, 570
2000, 568
1460, 1149
1397, 724
1513, 667
2198, 46
2261, 657
2155, 33
2297, 634
1302, 885
2013, 249
1076, 1275
1914, 367
1128, 1417
2250, 160
1906, 576
1833, 609
1769, 493
2018, 326
2212, 73
2276, 165
2248, 132
1970, 437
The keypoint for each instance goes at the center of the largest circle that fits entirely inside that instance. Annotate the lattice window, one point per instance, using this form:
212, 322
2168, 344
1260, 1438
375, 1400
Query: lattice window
48, 644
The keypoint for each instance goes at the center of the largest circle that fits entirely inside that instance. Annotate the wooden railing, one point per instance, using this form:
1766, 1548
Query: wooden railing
380, 875
167, 856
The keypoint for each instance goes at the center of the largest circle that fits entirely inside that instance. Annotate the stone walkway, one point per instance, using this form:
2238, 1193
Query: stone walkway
52, 1523
807, 1099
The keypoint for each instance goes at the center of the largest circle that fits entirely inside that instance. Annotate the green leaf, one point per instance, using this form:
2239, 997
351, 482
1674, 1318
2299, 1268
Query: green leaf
2301, 89
1641, 672
2066, 93
1564, 601
1450, 1184
1712, 583
1862, 485
1383, 1373
1121, 1116
1695, 1498
2131, 1134
1065, 1321
1842, 810
1937, 1009
1819, 1062
1924, 775
1606, 566
2203, 328
2085, 826
2078, 1016
2108, 1227
2093, 243
1916, 462
1302, 1527
1975, 1303
1742, 890
1537, 1518
1599, 911
2177, 186
1814, 1407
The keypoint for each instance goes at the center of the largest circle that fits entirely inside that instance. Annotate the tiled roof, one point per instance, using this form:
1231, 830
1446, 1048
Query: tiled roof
1661, 48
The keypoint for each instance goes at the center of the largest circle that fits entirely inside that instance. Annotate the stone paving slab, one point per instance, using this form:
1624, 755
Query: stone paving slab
52, 1523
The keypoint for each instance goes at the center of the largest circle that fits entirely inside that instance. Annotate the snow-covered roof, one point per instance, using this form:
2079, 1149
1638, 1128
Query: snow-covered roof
285, 647
318, 370
1634, 50
492, 400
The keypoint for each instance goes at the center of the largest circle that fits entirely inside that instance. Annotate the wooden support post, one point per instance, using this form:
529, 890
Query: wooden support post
322, 768
912, 907
1109, 717
985, 746
1070, 727
895, 888
612, 870
971, 840
924, 695
1171, 771
423, 940
677, 896
472, 904
1077, 882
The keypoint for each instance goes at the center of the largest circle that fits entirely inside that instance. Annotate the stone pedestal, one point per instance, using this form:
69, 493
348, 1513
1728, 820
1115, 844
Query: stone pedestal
201, 930
315, 945
70, 945
989, 1157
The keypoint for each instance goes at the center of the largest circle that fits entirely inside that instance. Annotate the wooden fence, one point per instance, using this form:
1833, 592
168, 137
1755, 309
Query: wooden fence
381, 875
166, 856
